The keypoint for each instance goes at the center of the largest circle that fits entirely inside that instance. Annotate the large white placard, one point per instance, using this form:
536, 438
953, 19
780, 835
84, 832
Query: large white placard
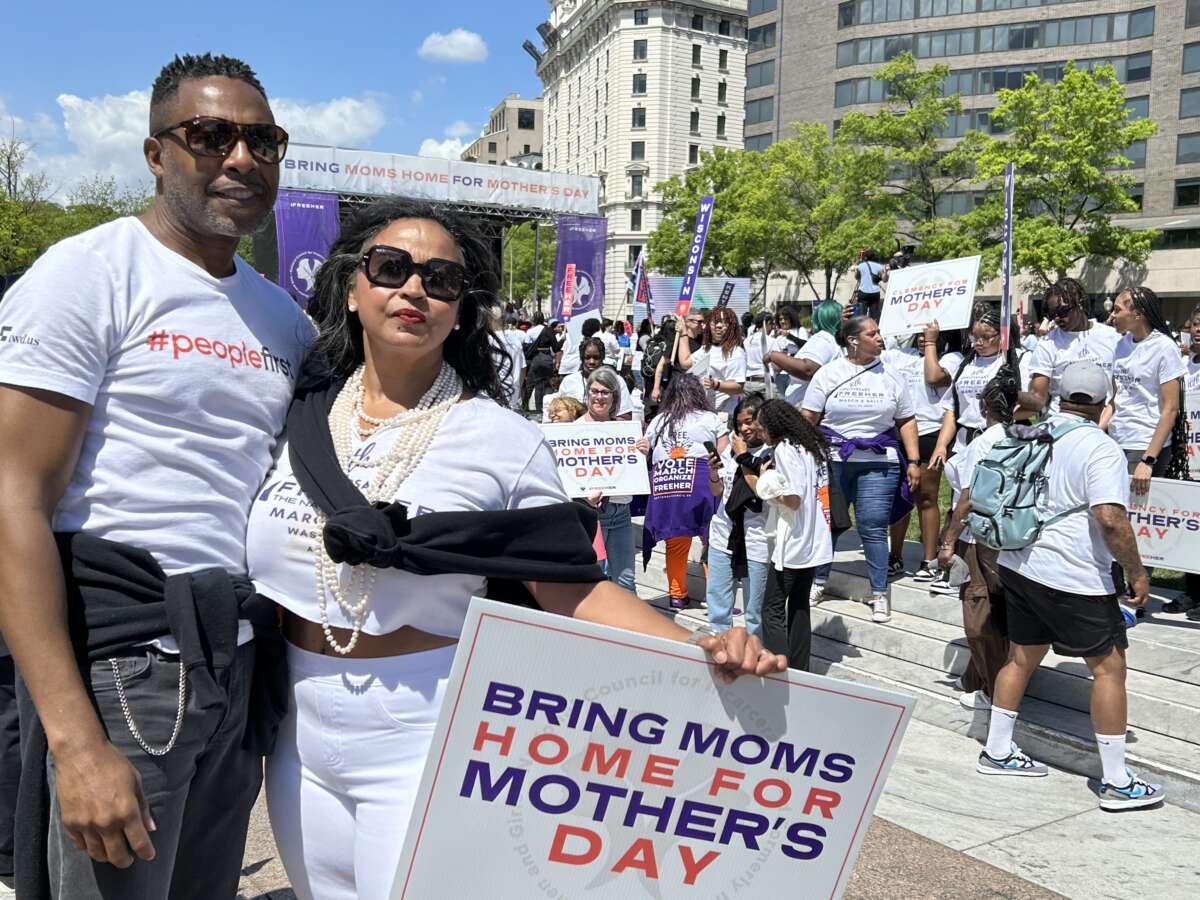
1191, 402
575, 760
599, 456
941, 291
343, 171
1166, 522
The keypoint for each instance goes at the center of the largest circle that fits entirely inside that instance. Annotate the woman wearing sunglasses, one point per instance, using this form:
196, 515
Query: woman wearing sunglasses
1075, 337
403, 489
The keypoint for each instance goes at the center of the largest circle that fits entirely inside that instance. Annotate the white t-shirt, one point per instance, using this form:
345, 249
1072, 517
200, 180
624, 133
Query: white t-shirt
612, 348
1139, 370
189, 378
1087, 468
754, 523
531, 335
575, 385
802, 537
688, 438
822, 348
713, 363
909, 362
1059, 348
977, 373
518, 472
960, 468
753, 345
859, 402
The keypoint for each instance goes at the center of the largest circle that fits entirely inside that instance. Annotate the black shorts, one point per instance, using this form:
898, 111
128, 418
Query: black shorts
926, 444
1074, 624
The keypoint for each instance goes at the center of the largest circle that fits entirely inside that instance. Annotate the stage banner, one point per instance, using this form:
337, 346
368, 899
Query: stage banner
577, 760
662, 290
695, 256
306, 224
1010, 178
1166, 522
941, 291
599, 456
577, 297
1191, 402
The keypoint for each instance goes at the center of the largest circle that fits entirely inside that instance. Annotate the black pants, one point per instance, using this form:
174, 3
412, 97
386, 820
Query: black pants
10, 761
787, 626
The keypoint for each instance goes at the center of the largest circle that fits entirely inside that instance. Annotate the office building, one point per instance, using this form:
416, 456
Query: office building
513, 136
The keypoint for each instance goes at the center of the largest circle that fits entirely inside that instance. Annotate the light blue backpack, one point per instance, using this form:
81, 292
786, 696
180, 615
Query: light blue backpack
1008, 487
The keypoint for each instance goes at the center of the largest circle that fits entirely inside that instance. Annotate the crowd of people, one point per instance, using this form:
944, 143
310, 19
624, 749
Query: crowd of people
189, 588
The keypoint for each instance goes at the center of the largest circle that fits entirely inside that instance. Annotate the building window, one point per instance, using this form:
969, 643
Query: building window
760, 110
1192, 20
762, 6
491, 146
696, 87
635, 185
721, 125
525, 149
693, 154
635, 250
1191, 58
762, 37
1189, 103
759, 74
1139, 107
1187, 148
1136, 154
639, 48
1137, 194
1187, 191
698, 22
759, 142
695, 54
641, 17
639, 117
722, 91
637, 151
723, 27
694, 122
639, 83
526, 119
635, 220
723, 60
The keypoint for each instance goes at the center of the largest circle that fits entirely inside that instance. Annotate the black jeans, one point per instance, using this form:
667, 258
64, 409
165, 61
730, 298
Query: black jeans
787, 625
10, 761
200, 793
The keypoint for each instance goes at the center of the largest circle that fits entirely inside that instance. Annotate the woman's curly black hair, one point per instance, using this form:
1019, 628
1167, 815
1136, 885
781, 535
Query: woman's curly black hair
783, 422
472, 350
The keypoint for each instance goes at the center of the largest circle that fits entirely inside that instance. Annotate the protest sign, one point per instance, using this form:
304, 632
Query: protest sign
598, 456
695, 255
917, 295
572, 759
1192, 407
1166, 523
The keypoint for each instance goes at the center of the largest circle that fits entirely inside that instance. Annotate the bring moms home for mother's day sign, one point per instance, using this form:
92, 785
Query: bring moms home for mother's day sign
941, 292
599, 456
1166, 523
575, 760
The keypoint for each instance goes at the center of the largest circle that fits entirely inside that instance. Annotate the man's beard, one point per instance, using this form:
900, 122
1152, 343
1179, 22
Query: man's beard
201, 216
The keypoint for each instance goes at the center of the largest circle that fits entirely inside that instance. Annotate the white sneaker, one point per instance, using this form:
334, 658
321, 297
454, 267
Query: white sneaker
975, 700
881, 608
817, 594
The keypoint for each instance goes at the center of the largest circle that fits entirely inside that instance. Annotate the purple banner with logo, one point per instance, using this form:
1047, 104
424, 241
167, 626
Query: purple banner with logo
582, 244
695, 255
306, 224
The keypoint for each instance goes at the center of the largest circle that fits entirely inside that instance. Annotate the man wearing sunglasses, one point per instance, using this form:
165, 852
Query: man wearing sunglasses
1075, 337
138, 415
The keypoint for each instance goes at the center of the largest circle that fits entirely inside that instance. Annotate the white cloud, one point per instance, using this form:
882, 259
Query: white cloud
41, 128
459, 46
459, 129
417, 96
451, 148
343, 122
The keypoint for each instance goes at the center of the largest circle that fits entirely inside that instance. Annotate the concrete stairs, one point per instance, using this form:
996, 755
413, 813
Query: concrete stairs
922, 651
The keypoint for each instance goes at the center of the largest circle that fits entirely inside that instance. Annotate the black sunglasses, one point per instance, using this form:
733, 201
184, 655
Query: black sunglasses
391, 267
216, 137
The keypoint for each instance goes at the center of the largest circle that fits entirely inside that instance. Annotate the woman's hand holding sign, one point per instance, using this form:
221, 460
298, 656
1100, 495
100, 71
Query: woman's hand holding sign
737, 652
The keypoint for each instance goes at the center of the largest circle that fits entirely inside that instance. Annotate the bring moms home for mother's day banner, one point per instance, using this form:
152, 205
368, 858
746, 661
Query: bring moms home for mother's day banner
599, 456
940, 291
575, 760
1166, 523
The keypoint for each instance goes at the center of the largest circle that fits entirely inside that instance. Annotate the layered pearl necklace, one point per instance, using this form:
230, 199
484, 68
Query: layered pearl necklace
418, 427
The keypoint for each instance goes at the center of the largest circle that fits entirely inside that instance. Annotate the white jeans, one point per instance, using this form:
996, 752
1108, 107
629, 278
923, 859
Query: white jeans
344, 776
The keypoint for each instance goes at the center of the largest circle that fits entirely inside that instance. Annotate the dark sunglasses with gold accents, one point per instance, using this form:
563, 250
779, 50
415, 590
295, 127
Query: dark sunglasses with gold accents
216, 137
391, 267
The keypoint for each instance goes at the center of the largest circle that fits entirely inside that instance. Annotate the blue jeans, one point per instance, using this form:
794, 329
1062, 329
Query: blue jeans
722, 591
617, 529
870, 487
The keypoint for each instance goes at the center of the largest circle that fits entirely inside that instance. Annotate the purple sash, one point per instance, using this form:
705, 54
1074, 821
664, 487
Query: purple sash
681, 502
845, 447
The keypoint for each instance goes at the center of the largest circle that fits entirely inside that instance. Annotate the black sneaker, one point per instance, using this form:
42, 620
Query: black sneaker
1181, 604
896, 567
928, 571
1193, 615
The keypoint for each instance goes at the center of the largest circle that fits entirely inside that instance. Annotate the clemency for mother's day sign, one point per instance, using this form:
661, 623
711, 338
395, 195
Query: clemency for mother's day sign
940, 291
573, 759
1166, 523
599, 456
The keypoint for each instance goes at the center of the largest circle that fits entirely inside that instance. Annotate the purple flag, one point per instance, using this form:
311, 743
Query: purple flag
582, 242
726, 294
695, 254
306, 224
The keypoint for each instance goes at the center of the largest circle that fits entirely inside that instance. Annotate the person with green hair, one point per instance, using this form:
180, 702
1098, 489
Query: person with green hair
819, 350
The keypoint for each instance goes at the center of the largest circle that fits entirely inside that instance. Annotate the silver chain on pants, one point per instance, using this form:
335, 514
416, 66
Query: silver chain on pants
133, 729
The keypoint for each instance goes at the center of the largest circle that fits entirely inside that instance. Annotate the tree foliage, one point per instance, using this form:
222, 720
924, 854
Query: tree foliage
518, 262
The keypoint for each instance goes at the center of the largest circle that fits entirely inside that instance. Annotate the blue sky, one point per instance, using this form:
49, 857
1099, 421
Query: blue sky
387, 76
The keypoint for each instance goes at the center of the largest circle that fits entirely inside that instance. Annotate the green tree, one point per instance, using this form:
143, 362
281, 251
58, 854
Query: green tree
517, 264
1068, 142
910, 130
814, 204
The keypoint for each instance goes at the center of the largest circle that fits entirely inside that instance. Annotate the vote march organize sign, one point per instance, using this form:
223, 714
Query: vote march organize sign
598, 456
941, 291
1166, 523
590, 761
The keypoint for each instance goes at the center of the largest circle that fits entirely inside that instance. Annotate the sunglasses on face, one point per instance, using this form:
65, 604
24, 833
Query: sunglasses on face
391, 267
215, 137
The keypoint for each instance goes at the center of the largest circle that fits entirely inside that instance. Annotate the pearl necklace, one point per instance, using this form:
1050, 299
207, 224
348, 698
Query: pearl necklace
418, 427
